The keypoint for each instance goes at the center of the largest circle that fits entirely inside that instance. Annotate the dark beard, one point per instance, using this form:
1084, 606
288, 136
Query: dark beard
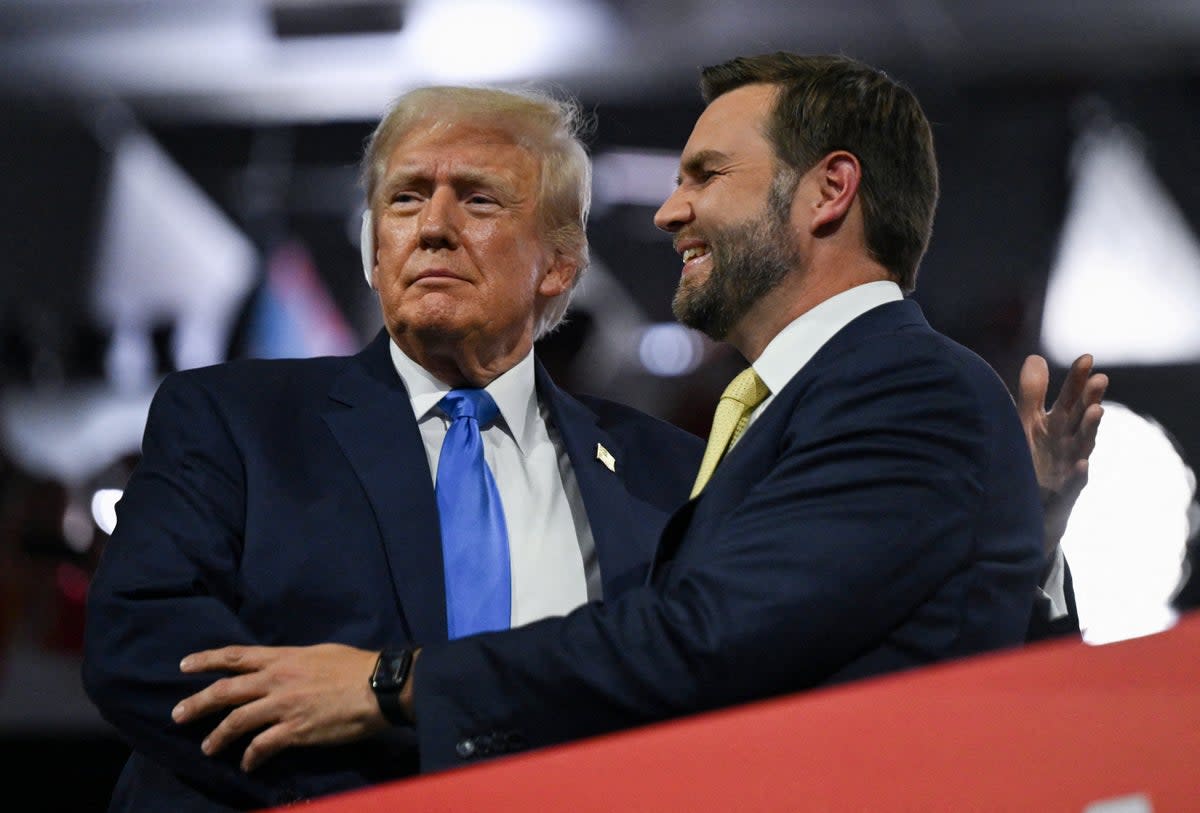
749, 260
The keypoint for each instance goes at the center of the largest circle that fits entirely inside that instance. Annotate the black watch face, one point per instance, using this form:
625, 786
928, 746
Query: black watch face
391, 671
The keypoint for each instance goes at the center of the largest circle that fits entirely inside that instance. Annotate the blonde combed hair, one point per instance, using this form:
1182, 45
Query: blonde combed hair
552, 127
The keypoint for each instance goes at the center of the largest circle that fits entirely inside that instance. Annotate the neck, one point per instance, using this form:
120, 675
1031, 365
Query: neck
800, 292
462, 363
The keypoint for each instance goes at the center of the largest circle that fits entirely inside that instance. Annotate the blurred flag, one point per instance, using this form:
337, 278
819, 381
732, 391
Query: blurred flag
293, 315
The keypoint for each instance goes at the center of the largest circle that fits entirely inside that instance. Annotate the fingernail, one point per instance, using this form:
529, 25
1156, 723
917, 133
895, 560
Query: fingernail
178, 712
206, 745
185, 663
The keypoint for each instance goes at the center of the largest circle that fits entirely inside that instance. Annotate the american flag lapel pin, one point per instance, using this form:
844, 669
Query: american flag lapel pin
605, 457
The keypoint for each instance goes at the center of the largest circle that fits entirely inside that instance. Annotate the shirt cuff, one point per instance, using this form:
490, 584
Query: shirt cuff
1054, 586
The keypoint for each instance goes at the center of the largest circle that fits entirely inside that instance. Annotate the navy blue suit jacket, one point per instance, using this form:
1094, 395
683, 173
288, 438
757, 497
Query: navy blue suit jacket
289, 502
881, 513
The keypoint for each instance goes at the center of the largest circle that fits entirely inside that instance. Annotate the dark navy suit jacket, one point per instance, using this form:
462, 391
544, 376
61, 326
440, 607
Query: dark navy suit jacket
881, 513
289, 502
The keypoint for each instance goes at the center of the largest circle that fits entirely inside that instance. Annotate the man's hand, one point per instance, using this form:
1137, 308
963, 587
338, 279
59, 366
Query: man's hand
1062, 439
314, 695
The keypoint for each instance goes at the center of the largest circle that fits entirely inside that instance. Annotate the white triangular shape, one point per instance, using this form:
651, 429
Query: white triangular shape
1125, 286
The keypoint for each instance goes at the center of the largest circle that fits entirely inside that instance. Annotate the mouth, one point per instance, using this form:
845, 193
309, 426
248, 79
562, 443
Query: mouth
436, 274
693, 253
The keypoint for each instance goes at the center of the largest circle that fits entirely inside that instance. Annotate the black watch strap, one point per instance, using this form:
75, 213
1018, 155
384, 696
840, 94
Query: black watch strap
392, 671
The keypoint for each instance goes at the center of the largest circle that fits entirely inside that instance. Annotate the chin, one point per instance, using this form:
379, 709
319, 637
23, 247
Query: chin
435, 332
430, 313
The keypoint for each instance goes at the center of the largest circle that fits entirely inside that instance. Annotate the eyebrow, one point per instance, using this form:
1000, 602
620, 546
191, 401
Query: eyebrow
465, 178
695, 163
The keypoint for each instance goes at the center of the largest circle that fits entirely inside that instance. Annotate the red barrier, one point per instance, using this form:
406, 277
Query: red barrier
1054, 727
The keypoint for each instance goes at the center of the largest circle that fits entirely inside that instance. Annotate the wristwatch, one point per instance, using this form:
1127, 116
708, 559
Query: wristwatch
391, 673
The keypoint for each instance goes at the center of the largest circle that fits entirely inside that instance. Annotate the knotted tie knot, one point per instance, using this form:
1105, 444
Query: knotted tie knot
747, 389
470, 403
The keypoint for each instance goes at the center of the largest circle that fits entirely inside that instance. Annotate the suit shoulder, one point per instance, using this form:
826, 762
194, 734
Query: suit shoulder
260, 375
270, 390
978, 374
910, 348
906, 376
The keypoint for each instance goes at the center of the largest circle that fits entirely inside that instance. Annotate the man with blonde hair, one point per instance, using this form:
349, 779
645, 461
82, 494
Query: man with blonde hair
291, 502
550, 127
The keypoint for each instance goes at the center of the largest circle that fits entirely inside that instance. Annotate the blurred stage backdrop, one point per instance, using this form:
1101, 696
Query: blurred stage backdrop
178, 188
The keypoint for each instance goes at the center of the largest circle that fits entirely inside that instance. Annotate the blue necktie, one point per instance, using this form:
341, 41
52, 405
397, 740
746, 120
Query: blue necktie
474, 536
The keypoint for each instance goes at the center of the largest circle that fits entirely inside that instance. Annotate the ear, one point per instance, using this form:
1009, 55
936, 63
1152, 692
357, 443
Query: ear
559, 276
366, 245
837, 175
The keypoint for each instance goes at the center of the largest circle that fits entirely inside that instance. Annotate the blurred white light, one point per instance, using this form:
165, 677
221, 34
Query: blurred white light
72, 433
640, 177
77, 527
166, 59
1126, 539
482, 40
1126, 283
104, 508
166, 254
668, 349
170, 49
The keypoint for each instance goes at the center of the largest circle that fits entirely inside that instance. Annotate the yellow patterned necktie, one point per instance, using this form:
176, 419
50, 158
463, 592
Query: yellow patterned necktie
740, 398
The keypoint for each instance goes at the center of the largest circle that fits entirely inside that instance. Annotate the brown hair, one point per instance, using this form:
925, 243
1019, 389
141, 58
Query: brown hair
829, 103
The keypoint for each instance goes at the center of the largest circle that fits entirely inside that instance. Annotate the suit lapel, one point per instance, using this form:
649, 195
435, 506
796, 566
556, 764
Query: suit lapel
612, 514
370, 416
744, 464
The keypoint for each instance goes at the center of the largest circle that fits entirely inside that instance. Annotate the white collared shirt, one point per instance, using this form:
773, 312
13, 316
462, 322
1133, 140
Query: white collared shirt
793, 347
552, 555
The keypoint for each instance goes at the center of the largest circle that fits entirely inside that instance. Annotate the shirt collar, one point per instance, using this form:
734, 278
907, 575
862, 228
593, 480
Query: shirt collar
796, 344
513, 392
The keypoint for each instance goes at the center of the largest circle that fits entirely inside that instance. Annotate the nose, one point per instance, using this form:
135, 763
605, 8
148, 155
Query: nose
675, 213
439, 220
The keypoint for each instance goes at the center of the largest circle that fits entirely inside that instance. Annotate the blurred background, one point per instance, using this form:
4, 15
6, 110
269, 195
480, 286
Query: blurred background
178, 188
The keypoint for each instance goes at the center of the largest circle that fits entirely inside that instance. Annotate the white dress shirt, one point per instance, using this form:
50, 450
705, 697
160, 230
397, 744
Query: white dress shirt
793, 347
796, 344
553, 562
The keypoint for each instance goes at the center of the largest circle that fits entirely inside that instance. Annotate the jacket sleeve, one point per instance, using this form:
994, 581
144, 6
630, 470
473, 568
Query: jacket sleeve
166, 585
865, 510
